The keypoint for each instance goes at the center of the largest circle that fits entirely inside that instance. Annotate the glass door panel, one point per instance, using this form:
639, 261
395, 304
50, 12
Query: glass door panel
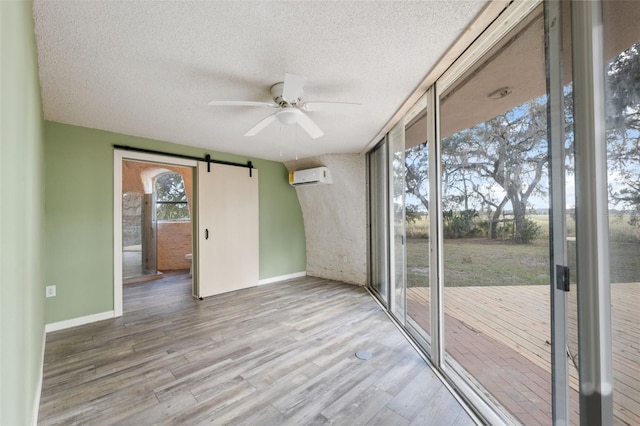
571, 308
139, 224
379, 221
565, 357
149, 235
397, 221
622, 88
495, 223
132, 204
417, 226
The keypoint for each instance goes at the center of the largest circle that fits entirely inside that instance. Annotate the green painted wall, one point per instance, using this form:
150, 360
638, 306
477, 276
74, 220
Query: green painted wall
79, 217
21, 217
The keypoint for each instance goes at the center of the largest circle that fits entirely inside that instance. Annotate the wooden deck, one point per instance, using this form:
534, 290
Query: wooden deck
277, 354
497, 321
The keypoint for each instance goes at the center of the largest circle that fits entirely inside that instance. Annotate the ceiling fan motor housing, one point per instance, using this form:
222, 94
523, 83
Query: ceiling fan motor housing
276, 92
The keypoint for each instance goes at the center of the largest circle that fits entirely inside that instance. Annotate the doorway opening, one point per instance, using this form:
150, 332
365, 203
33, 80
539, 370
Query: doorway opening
156, 220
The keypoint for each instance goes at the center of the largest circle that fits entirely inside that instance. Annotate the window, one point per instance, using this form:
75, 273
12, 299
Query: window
171, 198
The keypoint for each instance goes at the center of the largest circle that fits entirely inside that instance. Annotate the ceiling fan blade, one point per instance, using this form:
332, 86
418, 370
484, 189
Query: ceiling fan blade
293, 87
261, 125
309, 126
242, 103
339, 107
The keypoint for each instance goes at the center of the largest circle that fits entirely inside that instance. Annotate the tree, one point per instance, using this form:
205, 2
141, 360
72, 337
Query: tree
510, 151
171, 197
623, 130
623, 95
417, 174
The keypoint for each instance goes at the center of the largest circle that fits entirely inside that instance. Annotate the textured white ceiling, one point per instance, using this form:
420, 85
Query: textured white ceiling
148, 68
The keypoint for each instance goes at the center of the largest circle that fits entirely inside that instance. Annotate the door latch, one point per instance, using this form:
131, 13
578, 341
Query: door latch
562, 278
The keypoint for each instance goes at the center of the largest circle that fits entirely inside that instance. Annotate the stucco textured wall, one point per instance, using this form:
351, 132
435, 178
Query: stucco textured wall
335, 218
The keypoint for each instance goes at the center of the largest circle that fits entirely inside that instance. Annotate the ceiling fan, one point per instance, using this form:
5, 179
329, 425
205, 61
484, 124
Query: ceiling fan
290, 109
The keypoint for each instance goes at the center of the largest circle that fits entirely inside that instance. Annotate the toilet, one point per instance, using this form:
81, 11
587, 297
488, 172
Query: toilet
188, 257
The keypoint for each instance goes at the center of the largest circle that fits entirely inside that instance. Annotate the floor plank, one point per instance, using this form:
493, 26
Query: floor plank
279, 354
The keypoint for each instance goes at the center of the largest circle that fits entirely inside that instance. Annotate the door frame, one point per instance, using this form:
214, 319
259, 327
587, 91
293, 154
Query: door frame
118, 157
553, 27
491, 412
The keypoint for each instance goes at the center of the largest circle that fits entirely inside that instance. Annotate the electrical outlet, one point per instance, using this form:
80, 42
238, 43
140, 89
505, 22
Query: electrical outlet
50, 291
345, 259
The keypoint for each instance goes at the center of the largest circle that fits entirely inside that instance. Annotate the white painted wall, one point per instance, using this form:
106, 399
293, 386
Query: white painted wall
335, 218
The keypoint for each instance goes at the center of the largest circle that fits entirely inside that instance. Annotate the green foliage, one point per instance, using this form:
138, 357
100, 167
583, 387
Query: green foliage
624, 227
461, 224
530, 231
623, 92
483, 227
505, 231
623, 130
481, 262
412, 213
418, 227
171, 198
497, 165
416, 174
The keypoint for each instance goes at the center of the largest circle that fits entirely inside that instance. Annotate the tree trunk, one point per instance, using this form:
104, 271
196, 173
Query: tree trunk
495, 219
519, 211
493, 226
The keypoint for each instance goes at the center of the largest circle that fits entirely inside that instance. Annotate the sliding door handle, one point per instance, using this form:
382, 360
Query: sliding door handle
206, 234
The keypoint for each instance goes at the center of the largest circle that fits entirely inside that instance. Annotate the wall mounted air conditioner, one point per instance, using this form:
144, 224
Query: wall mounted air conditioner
315, 176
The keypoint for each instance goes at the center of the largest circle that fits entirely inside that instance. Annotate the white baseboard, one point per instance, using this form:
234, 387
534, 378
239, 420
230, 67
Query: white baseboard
282, 278
36, 399
74, 322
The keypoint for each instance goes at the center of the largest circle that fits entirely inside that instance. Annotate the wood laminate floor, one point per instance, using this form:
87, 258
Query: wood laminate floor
279, 354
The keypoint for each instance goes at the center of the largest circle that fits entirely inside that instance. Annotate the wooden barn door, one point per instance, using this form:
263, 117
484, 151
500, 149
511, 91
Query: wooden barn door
228, 239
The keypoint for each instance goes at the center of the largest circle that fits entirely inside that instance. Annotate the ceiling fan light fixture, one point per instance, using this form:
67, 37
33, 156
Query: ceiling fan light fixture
288, 116
287, 99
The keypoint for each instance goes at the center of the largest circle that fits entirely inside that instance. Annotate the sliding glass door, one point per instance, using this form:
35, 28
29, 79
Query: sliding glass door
622, 90
417, 224
397, 303
379, 221
509, 247
496, 199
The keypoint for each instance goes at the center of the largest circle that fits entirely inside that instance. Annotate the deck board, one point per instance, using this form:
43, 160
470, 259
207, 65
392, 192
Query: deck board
518, 317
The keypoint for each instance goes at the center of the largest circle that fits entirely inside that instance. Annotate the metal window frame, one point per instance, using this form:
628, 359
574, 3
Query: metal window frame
594, 316
510, 18
435, 226
399, 314
382, 145
553, 25
592, 230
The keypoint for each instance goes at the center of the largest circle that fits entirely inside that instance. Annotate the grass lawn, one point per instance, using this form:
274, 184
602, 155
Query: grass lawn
481, 262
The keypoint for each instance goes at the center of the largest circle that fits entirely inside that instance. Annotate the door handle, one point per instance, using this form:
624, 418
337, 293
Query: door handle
563, 280
206, 234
